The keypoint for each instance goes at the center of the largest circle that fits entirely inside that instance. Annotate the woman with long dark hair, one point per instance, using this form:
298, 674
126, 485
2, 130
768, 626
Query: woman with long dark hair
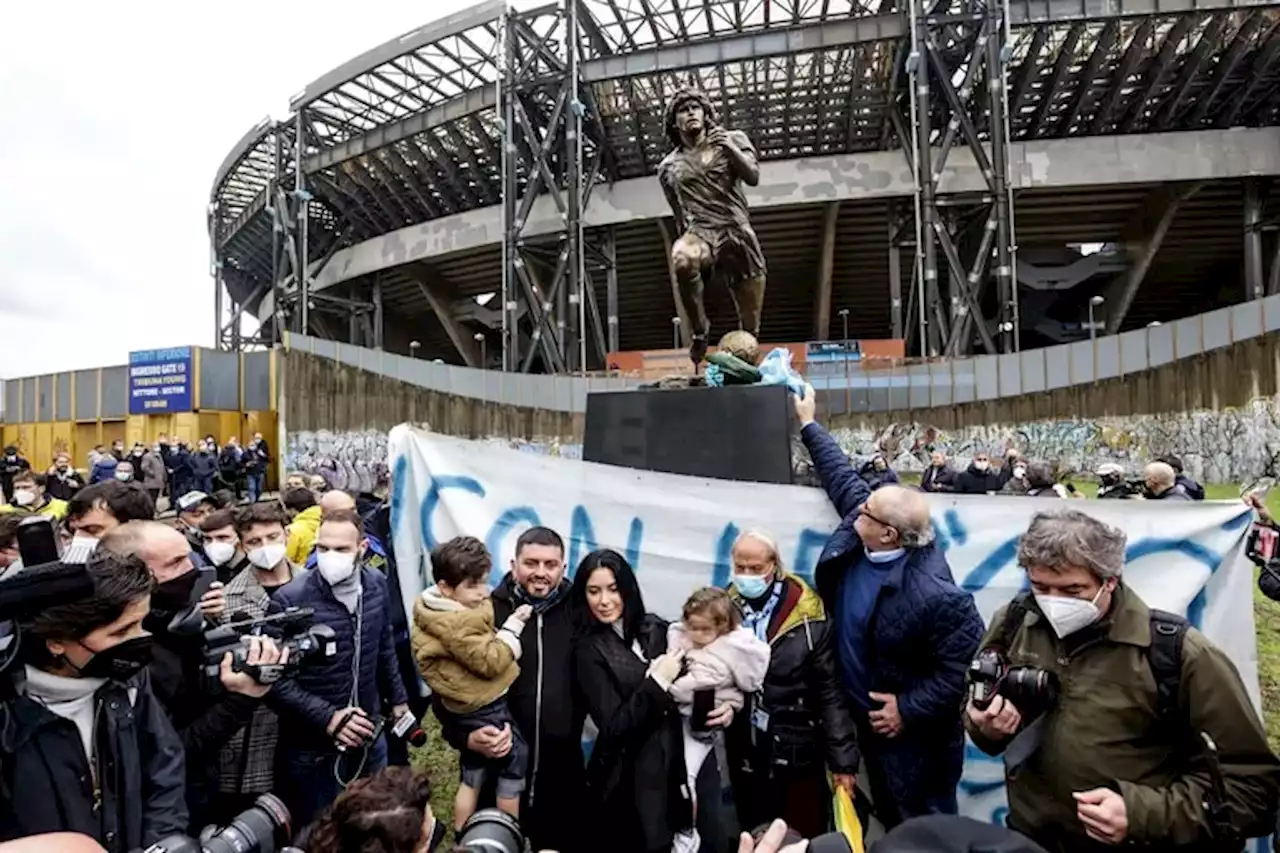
635, 775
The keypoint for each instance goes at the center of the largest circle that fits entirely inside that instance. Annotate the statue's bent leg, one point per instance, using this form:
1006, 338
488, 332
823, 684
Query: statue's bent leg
748, 299
689, 255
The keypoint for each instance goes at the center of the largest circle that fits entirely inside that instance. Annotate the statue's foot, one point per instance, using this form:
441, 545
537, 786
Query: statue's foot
697, 350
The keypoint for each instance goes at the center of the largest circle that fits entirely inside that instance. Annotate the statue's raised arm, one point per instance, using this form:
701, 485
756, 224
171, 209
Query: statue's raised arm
702, 180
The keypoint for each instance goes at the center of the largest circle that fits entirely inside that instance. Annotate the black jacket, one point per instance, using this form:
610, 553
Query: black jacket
545, 707
323, 687
811, 725
64, 486
9, 470
635, 776
938, 479
45, 779
205, 722
971, 481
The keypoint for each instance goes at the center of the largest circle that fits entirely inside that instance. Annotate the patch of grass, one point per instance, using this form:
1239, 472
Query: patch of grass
440, 762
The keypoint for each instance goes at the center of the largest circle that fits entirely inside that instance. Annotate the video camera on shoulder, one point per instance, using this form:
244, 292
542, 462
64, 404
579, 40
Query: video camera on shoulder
1030, 689
291, 630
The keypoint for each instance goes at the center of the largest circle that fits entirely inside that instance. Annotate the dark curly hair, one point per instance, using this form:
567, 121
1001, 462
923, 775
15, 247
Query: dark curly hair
679, 99
461, 558
380, 814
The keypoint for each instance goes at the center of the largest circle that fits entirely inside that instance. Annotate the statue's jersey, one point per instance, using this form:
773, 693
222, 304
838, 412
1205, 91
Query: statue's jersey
708, 201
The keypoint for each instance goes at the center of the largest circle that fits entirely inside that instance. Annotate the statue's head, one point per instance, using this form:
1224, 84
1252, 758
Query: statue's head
689, 111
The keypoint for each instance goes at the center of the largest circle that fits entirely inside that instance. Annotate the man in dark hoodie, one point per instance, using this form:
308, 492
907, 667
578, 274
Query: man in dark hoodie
542, 697
1194, 490
204, 464
978, 478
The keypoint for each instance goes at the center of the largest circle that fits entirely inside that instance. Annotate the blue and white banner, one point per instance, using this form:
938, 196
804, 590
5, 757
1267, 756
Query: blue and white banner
677, 531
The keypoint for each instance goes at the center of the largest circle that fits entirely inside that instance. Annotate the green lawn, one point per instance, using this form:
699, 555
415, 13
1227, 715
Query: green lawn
441, 762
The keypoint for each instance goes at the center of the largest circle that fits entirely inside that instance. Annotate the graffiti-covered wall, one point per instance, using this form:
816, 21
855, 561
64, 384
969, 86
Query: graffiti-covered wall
1226, 446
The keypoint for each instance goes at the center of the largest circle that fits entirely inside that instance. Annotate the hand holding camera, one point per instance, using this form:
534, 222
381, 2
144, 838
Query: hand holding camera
351, 728
998, 721
262, 658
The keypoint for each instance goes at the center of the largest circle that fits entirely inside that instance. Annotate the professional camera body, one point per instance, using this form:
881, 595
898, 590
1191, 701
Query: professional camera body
1261, 548
1030, 689
1131, 488
261, 828
291, 630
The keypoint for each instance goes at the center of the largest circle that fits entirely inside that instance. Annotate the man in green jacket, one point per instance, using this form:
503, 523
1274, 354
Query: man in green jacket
1115, 758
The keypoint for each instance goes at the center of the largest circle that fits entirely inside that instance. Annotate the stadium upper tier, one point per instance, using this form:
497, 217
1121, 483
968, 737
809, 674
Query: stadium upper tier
409, 132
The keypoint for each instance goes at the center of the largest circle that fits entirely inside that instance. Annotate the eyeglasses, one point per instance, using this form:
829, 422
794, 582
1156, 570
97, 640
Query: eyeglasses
862, 510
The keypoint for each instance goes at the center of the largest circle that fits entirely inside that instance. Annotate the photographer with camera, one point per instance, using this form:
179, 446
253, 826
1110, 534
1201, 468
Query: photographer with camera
1118, 724
185, 600
248, 759
331, 733
84, 745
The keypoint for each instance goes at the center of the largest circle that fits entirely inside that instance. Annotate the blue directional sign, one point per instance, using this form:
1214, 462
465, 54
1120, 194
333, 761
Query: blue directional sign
161, 381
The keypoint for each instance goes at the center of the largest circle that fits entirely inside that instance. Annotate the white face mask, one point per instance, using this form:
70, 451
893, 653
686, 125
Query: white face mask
1068, 615
24, 497
268, 556
981, 466
335, 566
1019, 472
220, 553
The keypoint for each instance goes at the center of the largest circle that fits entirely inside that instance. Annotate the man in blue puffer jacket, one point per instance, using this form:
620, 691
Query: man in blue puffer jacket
329, 708
905, 633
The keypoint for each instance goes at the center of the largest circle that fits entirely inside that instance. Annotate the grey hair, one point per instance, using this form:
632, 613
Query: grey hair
764, 539
907, 512
1162, 473
1067, 538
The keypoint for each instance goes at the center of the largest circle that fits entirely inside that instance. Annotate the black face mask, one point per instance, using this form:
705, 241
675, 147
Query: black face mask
121, 662
174, 594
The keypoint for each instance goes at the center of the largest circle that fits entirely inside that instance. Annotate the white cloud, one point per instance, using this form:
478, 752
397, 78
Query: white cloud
113, 120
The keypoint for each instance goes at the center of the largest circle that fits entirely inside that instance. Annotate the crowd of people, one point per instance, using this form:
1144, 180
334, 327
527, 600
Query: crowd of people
117, 722
1162, 479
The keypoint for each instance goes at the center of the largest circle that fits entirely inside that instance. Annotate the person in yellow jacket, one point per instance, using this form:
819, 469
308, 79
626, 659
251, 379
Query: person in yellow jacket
29, 496
302, 508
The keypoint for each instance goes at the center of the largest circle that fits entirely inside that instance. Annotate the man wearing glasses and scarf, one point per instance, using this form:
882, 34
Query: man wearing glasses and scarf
905, 634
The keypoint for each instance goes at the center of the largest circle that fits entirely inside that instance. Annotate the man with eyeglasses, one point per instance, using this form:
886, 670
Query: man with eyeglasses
904, 633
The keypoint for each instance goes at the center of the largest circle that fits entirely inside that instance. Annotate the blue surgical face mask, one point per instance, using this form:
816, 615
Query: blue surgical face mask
752, 586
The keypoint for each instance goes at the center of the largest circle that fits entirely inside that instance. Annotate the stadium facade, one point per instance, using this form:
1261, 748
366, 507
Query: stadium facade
968, 176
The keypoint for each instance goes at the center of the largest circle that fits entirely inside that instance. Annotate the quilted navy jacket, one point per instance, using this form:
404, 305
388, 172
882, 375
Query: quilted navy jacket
924, 633
323, 686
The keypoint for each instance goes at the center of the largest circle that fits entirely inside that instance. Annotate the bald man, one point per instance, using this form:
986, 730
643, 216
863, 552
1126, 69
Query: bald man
905, 634
204, 721
336, 501
1162, 483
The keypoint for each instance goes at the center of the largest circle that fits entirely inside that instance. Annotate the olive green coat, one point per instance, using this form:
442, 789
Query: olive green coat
1102, 734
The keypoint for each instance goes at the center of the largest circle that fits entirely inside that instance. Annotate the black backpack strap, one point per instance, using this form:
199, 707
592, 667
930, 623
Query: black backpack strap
1165, 659
1014, 614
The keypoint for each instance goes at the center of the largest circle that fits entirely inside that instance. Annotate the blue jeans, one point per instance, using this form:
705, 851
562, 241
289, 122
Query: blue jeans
255, 486
310, 785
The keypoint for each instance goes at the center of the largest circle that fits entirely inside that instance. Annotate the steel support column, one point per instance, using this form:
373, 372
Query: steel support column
377, 313
303, 210
546, 114
958, 78
217, 301
610, 248
1142, 238
826, 270
1254, 282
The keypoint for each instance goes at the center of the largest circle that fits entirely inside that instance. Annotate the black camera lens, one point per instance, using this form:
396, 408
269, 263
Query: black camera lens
491, 829
1030, 688
264, 828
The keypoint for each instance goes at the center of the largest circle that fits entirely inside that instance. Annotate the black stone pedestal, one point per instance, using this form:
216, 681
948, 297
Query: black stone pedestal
734, 433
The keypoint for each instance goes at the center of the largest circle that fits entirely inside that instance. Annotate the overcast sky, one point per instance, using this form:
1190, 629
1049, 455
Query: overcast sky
113, 119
